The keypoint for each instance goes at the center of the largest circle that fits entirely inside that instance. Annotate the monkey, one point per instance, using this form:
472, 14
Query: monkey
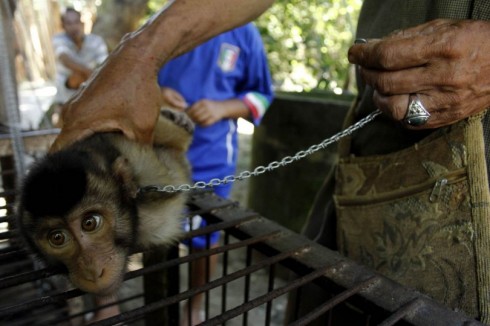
81, 210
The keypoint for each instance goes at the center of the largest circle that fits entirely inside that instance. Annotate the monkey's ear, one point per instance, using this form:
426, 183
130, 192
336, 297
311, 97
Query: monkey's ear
124, 172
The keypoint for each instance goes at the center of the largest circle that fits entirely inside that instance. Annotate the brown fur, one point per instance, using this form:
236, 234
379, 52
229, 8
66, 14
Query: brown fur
103, 218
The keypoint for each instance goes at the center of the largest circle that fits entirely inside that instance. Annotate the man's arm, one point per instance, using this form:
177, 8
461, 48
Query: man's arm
187, 23
74, 65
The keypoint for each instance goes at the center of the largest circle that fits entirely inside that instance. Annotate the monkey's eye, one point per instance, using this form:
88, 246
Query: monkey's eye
91, 222
58, 238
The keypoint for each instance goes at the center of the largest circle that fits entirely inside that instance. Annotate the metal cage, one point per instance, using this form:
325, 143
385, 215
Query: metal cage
262, 273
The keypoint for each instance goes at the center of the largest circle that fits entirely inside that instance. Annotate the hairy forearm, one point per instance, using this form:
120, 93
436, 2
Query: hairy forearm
185, 24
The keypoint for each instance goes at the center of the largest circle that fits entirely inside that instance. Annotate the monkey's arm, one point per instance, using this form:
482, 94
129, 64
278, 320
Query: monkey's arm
173, 130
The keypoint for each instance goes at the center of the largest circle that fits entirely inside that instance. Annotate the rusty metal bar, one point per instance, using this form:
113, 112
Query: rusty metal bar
59, 298
270, 288
197, 255
267, 297
343, 280
34, 141
387, 295
161, 284
220, 226
334, 301
81, 314
246, 290
189, 293
410, 307
224, 288
27, 277
7, 235
207, 277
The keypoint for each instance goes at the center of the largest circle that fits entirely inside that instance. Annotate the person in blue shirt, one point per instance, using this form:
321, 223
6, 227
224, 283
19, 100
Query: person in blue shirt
223, 79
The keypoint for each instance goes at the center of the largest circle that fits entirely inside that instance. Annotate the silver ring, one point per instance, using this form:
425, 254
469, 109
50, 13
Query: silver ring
416, 115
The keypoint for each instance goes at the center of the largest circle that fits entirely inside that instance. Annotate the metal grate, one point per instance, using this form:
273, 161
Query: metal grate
261, 264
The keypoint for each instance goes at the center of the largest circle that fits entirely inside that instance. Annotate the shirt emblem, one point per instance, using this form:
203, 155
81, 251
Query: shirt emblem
228, 56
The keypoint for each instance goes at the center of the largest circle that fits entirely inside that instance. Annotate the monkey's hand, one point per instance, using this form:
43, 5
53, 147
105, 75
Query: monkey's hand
174, 129
179, 118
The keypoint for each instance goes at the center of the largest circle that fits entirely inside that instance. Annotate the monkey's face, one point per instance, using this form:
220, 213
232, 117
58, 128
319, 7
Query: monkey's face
84, 242
82, 218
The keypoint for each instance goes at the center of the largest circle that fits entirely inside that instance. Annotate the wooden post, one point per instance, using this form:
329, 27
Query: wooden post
161, 285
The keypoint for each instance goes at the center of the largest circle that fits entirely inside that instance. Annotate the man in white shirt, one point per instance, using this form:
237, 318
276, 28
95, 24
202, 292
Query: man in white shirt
77, 55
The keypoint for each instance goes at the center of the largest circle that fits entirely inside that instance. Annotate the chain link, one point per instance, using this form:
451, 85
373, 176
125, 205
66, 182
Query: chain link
263, 169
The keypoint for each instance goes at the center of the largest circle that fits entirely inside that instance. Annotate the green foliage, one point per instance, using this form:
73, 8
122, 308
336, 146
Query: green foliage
306, 42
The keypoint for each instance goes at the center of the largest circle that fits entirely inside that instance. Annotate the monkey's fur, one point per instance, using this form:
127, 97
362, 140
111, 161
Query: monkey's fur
80, 208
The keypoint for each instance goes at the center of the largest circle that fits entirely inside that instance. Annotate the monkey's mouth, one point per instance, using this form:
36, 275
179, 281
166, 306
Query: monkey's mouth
100, 289
104, 285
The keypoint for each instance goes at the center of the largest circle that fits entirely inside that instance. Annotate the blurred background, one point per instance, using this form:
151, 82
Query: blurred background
306, 44
306, 41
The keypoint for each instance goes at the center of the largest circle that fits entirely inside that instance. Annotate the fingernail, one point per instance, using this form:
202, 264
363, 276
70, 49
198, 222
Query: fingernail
360, 41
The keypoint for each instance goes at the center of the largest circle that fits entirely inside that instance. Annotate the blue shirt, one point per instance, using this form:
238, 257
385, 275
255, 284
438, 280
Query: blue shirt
229, 66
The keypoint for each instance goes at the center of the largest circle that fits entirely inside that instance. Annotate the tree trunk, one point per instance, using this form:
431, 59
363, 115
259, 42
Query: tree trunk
115, 18
34, 28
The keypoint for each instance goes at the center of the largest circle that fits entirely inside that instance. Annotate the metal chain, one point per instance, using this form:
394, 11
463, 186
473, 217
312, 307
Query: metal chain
262, 169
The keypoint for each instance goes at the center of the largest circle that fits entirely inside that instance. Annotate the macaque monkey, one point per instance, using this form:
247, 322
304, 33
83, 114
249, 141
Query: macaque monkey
80, 208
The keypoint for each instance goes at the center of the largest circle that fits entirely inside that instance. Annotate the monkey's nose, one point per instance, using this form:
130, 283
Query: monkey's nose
94, 275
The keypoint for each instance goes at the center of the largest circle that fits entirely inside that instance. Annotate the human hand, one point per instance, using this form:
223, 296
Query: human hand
173, 98
121, 95
206, 112
445, 62
75, 80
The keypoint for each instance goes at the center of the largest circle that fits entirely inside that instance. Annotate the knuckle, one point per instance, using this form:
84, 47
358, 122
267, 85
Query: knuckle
398, 111
384, 83
385, 55
391, 106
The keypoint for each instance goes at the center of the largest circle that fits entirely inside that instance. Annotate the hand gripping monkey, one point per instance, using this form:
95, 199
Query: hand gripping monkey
80, 208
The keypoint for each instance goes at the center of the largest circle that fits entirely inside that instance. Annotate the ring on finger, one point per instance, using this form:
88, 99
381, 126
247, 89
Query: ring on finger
417, 114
